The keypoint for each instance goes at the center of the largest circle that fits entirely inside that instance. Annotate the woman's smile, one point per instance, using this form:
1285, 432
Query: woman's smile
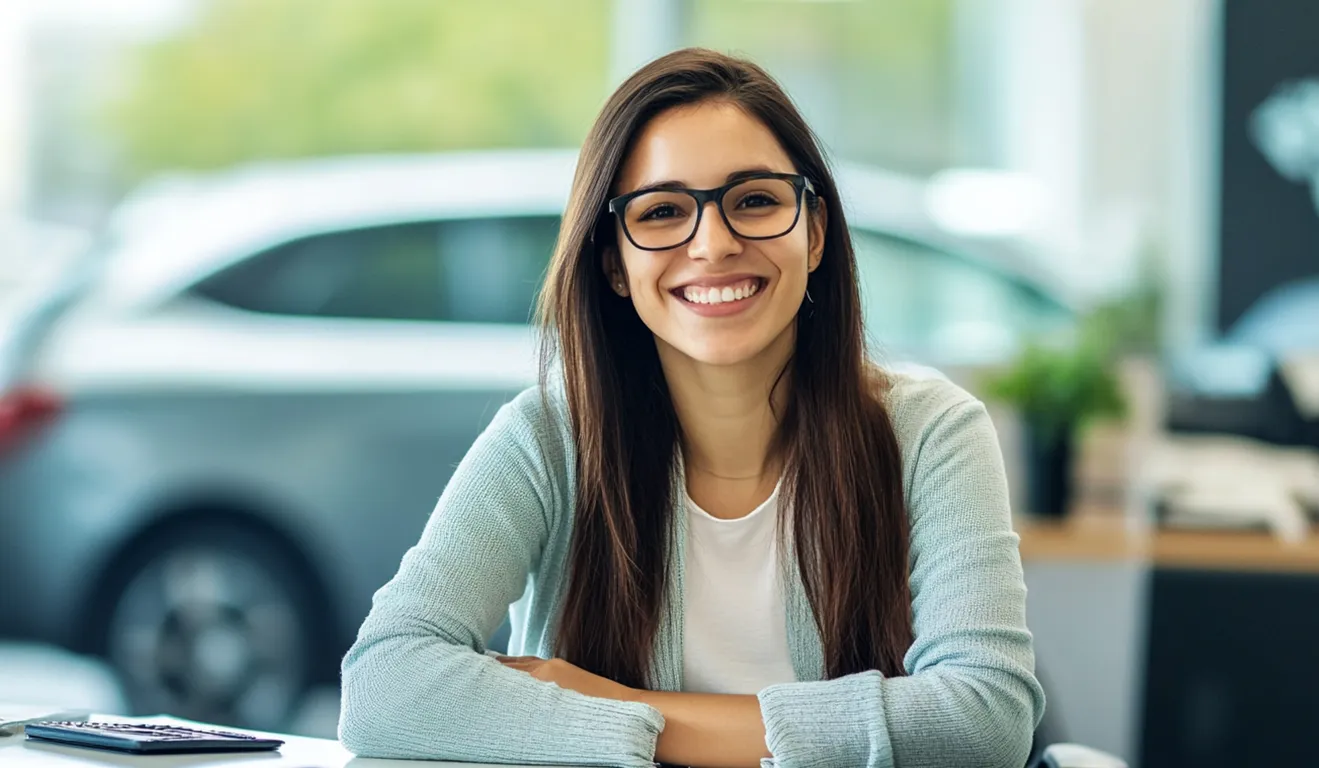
722, 296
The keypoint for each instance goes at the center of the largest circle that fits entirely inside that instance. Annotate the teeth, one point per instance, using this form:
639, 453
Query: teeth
698, 295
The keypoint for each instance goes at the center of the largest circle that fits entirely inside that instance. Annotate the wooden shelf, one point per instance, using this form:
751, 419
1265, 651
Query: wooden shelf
1091, 537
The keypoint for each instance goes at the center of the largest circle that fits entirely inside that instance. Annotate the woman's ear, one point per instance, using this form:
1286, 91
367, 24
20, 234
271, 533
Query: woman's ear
816, 223
614, 273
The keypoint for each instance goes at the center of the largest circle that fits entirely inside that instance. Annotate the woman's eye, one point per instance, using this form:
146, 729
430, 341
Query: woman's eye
757, 200
665, 211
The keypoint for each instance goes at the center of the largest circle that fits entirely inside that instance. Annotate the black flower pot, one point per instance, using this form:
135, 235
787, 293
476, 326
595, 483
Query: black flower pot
1048, 470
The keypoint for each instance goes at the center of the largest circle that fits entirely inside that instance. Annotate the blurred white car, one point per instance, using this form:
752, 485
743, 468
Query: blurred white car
32, 256
219, 437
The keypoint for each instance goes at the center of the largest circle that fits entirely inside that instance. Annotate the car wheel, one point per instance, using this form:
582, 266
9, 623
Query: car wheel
213, 623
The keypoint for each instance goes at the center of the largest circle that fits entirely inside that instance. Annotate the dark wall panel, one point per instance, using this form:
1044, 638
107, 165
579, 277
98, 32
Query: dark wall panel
1269, 226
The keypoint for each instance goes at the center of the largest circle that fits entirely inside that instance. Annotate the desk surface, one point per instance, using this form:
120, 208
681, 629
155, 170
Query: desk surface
297, 752
1107, 537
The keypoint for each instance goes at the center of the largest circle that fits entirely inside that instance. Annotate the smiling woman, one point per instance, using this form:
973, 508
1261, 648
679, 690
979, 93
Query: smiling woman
735, 537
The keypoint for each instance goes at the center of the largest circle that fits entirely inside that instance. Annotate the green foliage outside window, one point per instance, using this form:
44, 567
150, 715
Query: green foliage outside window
257, 79
260, 79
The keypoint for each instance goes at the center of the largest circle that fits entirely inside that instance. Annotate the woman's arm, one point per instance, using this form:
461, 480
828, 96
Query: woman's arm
970, 698
706, 729
416, 683
709, 730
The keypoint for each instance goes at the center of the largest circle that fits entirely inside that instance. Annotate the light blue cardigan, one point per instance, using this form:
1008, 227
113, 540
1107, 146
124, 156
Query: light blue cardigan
416, 685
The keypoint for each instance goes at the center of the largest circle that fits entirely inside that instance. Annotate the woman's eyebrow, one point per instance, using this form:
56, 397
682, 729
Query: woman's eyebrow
753, 171
670, 184
734, 176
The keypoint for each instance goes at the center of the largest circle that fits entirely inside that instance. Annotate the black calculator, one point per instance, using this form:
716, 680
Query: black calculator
147, 739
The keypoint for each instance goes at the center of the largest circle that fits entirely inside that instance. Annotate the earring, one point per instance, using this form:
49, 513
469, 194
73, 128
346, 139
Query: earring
808, 296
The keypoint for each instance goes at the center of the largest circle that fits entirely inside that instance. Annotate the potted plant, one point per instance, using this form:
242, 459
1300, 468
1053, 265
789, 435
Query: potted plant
1057, 389
1061, 385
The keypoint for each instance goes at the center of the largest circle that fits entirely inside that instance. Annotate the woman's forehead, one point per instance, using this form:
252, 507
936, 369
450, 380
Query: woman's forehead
699, 146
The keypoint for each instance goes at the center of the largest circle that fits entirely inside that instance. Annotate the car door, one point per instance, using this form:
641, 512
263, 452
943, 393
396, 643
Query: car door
388, 349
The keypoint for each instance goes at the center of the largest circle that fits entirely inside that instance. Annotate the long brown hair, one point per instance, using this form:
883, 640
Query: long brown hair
843, 475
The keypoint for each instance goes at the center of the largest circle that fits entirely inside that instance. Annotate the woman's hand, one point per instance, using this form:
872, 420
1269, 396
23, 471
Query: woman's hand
566, 675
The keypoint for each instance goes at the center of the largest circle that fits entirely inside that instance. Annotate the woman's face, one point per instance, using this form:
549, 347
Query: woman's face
689, 295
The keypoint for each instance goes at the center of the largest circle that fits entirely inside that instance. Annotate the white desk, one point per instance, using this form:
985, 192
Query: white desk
298, 752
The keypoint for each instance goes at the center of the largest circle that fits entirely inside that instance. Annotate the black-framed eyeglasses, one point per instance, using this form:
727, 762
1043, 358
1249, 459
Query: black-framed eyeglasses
761, 206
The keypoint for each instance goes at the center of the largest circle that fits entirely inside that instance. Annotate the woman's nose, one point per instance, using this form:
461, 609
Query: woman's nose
713, 240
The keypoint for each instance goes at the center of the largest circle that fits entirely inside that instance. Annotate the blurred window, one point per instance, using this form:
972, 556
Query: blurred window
918, 299
878, 81
485, 270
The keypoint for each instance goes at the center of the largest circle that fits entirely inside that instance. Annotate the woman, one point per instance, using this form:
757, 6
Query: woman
733, 536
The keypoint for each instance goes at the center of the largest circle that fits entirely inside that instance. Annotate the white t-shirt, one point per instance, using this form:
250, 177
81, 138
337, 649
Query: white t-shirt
735, 636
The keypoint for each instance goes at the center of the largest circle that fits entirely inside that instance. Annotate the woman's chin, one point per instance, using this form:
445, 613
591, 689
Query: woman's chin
724, 358
724, 351
726, 343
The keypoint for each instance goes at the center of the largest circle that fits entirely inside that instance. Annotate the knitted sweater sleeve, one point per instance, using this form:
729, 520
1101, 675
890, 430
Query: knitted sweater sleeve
416, 683
970, 697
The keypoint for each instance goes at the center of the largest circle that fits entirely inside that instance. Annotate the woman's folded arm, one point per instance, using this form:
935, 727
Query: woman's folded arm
970, 698
417, 684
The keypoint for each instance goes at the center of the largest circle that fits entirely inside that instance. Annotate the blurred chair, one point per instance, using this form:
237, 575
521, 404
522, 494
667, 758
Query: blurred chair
1077, 756
1048, 752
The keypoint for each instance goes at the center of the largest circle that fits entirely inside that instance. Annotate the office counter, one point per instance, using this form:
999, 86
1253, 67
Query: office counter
1176, 647
1096, 537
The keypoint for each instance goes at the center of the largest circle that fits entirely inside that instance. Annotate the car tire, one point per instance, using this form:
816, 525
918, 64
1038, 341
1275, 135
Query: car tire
213, 621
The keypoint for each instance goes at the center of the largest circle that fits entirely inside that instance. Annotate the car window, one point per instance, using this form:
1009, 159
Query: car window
924, 302
485, 270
